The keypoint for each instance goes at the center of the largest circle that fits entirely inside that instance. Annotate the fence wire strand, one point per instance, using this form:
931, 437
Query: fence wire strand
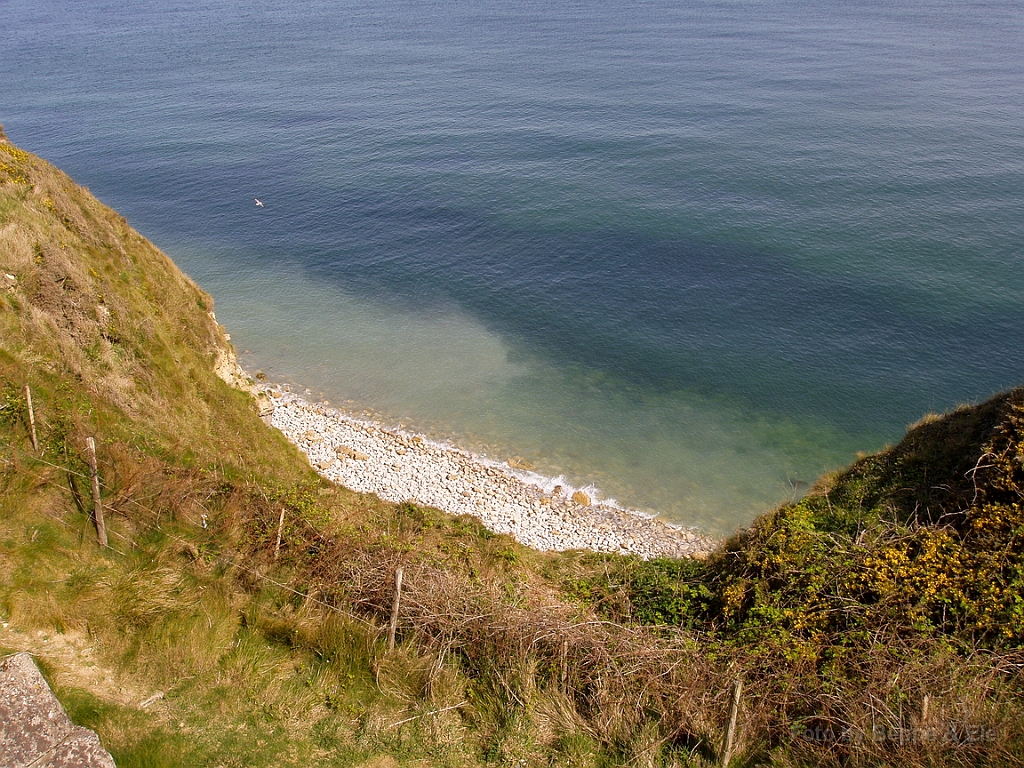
163, 531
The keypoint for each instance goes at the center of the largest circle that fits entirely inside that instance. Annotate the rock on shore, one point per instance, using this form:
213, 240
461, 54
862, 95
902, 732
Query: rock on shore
401, 466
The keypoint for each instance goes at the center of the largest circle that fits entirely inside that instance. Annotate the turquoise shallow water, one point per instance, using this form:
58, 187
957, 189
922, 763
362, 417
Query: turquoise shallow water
692, 253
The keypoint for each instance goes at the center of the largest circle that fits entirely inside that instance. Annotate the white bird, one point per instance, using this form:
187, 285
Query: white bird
258, 203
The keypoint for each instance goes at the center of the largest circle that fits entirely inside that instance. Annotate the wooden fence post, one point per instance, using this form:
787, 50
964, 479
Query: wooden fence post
280, 530
563, 664
97, 505
730, 733
31, 419
394, 609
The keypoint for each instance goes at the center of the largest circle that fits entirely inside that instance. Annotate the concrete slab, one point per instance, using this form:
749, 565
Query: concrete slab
34, 728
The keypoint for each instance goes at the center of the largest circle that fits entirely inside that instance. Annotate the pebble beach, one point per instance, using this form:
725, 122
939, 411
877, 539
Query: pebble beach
399, 465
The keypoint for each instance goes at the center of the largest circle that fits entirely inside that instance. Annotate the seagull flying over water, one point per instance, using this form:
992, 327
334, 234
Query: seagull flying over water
258, 203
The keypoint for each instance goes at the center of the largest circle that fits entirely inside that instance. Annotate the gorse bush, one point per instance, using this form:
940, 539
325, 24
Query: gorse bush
925, 537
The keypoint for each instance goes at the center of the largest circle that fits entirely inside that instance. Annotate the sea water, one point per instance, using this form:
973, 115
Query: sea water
689, 253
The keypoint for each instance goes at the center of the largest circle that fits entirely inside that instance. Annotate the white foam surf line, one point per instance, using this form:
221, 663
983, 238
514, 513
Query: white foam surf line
400, 465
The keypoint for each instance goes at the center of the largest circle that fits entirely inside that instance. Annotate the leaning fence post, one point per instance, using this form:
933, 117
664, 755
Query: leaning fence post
31, 419
97, 506
730, 733
394, 609
280, 530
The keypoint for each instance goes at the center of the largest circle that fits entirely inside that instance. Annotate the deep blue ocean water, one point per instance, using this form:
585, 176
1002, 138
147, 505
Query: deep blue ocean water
693, 253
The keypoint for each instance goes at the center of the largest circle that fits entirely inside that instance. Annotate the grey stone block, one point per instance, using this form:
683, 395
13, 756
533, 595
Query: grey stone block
34, 728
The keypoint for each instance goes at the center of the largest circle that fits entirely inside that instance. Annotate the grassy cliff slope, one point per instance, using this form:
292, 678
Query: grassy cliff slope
240, 615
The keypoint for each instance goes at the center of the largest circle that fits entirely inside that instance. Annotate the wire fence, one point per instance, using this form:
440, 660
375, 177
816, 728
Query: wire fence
156, 527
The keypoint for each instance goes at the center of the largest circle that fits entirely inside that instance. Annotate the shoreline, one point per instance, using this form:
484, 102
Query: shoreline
400, 465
